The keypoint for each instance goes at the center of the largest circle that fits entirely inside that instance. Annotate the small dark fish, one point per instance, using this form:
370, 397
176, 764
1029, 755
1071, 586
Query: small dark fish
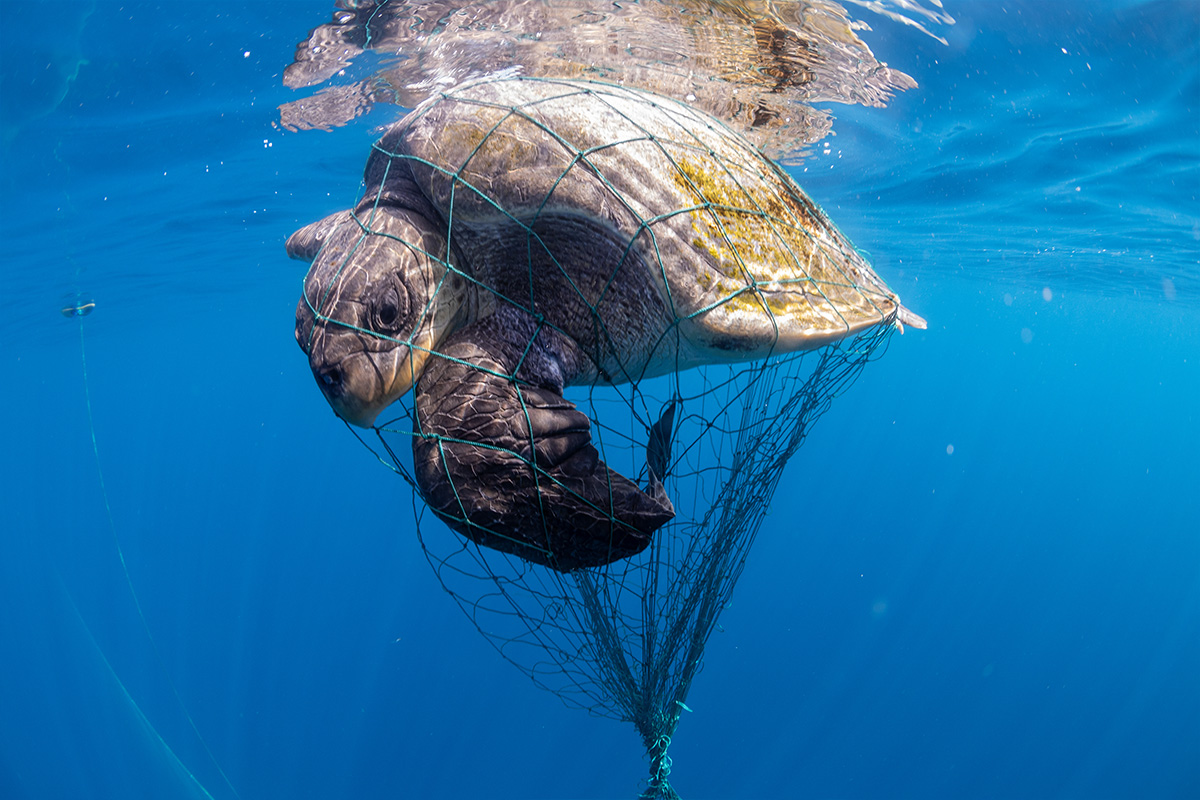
658, 448
81, 310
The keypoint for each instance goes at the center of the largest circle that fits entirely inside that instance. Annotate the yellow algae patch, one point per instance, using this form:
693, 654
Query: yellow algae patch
708, 183
747, 230
769, 264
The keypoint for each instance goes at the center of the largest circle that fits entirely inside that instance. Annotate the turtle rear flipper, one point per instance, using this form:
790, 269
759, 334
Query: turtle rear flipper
511, 465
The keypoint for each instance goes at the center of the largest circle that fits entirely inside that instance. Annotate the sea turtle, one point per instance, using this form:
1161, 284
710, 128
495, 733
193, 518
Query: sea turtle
517, 236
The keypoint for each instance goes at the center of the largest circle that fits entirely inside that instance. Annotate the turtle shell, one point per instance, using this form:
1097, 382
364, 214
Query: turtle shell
628, 221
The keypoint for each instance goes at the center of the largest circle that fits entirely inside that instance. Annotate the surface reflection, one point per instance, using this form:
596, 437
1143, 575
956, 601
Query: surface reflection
758, 66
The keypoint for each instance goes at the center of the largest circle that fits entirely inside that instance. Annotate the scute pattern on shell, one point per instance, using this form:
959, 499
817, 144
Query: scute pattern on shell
748, 264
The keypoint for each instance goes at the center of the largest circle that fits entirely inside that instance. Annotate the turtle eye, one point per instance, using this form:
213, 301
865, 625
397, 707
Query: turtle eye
390, 307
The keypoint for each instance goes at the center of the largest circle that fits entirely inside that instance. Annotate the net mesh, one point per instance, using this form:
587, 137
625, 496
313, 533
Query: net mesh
733, 245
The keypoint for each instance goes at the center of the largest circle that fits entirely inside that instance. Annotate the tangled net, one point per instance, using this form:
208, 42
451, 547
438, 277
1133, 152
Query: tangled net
626, 639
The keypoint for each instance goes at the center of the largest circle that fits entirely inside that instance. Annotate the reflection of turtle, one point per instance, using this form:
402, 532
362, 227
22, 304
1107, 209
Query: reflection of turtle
518, 236
756, 66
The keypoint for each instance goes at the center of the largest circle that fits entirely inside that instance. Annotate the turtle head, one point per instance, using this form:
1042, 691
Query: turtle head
378, 298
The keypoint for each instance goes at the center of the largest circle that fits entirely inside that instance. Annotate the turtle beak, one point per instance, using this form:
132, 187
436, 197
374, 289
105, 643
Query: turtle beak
359, 385
342, 388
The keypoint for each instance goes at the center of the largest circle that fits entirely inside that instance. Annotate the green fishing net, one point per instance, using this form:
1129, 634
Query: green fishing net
529, 206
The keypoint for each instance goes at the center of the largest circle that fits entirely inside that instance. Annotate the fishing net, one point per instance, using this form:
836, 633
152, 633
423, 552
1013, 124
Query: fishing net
621, 635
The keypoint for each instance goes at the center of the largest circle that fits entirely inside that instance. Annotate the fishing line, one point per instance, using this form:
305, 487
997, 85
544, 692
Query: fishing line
82, 309
140, 715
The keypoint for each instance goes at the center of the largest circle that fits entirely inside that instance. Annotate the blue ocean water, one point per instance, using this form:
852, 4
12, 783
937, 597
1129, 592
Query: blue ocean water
998, 594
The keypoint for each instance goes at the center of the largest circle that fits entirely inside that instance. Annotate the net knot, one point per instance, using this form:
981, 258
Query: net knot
660, 769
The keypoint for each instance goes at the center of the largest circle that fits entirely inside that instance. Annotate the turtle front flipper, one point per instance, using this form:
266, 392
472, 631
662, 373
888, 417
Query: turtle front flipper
510, 464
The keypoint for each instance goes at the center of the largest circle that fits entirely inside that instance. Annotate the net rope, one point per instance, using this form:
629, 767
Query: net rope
626, 640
